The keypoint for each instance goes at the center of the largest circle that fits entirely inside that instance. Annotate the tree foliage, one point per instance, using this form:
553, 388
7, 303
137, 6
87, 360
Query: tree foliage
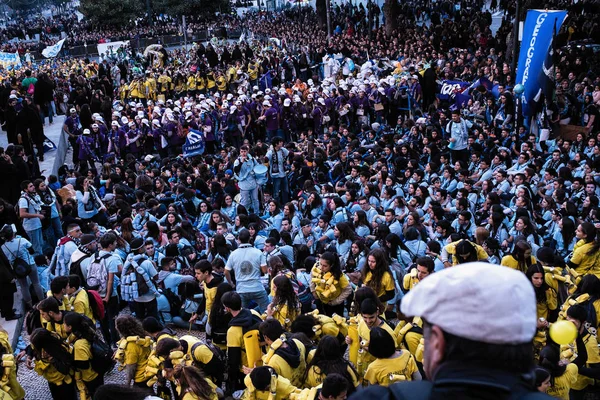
112, 12
390, 11
190, 7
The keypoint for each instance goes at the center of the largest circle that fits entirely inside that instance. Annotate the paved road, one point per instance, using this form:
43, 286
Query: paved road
52, 132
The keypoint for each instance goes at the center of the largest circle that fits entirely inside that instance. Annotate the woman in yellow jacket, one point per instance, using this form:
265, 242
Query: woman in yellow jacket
562, 377
8, 371
285, 306
587, 292
376, 274
586, 253
329, 285
263, 383
192, 385
329, 359
546, 301
133, 350
84, 333
54, 362
390, 365
520, 258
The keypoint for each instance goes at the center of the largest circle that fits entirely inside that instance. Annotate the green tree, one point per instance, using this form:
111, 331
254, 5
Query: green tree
112, 12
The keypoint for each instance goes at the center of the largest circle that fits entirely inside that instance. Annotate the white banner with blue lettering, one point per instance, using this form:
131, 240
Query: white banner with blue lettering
194, 143
52, 51
9, 59
537, 38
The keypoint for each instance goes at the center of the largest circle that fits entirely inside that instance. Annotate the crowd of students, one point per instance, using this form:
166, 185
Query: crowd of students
318, 203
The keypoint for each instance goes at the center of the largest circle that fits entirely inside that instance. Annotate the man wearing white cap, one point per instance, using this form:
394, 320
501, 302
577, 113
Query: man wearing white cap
87, 151
478, 323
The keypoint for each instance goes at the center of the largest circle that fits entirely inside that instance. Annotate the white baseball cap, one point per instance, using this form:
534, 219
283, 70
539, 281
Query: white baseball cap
86, 131
477, 301
266, 103
287, 102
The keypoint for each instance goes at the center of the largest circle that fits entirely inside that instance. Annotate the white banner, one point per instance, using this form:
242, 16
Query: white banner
9, 59
52, 51
111, 47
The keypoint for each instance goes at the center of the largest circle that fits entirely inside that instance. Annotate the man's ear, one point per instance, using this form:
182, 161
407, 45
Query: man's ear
435, 346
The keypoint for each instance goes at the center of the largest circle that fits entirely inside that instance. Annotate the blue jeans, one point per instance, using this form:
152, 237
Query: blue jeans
54, 232
259, 298
281, 189
37, 240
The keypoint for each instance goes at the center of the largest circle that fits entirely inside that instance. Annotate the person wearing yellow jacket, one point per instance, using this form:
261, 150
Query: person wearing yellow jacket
133, 350
591, 369
330, 287
243, 347
9, 385
200, 83
59, 287
192, 351
211, 82
586, 253
53, 361
520, 258
84, 332
192, 385
209, 282
155, 364
286, 356
79, 298
334, 387
191, 84
285, 306
390, 365
462, 251
377, 275
587, 291
369, 319
409, 333
221, 82
52, 317
253, 71
263, 383
327, 359
425, 267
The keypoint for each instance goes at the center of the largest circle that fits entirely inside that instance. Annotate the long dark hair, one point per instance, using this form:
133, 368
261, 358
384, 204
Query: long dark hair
329, 359
82, 327
540, 293
550, 360
285, 294
192, 380
381, 267
334, 261
53, 345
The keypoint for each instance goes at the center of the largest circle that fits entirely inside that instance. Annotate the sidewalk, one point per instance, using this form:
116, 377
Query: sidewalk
52, 132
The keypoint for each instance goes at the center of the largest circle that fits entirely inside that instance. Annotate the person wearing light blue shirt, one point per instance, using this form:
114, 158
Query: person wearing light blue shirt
142, 217
114, 266
18, 247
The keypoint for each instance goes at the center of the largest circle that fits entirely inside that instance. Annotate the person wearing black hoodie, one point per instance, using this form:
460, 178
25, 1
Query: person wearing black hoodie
242, 321
286, 356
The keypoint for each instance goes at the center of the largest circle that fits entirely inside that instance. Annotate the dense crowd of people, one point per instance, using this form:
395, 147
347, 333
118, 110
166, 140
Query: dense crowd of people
309, 212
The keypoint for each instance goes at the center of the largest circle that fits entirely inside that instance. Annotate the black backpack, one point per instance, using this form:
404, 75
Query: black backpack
75, 269
21, 268
175, 301
102, 357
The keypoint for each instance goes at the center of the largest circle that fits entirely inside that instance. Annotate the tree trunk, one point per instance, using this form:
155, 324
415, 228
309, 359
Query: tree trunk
321, 6
390, 9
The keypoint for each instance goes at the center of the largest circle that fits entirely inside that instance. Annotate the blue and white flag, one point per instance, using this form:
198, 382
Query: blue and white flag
9, 60
52, 51
194, 143
537, 38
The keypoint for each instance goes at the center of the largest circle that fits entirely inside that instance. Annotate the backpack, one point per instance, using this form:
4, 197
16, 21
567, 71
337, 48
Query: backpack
75, 269
33, 320
31, 88
102, 360
140, 279
21, 267
98, 274
96, 304
175, 302
217, 352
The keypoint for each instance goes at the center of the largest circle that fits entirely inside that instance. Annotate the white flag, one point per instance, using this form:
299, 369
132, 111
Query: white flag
52, 51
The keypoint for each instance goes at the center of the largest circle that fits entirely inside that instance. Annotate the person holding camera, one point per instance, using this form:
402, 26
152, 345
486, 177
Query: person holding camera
243, 169
19, 252
30, 210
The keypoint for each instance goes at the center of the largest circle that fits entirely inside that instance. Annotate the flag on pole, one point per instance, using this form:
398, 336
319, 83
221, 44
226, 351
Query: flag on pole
537, 35
52, 51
